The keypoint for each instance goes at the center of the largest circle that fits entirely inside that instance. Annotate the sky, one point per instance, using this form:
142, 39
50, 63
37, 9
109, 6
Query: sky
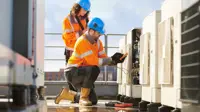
119, 16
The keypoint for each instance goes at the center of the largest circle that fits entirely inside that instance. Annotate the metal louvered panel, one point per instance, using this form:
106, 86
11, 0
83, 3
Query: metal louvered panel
166, 50
190, 54
144, 59
167, 53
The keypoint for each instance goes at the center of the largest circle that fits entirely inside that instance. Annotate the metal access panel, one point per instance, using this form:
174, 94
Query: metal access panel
190, 54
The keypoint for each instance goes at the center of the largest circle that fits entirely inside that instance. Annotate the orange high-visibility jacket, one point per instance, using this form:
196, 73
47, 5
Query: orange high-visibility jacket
71, 30
87, 54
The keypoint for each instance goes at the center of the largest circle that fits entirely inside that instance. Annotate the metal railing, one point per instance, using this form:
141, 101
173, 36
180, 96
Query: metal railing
106, 47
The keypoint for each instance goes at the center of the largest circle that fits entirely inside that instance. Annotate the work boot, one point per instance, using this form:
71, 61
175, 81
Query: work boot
65, 94
84, 100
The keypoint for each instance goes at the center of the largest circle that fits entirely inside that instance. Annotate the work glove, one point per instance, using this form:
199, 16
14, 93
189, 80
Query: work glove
116, 58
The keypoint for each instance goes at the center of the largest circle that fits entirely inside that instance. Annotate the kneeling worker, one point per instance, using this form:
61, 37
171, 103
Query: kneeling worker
82, 69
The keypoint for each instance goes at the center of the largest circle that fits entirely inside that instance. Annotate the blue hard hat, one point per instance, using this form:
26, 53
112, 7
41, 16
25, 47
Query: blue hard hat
97, 24
85, 4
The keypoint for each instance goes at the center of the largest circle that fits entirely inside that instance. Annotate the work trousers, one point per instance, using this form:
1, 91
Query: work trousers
83, 77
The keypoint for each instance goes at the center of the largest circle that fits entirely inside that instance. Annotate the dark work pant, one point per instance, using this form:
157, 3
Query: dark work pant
67, 54
83, 77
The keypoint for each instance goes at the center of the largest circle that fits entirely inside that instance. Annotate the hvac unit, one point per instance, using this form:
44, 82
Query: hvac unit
133, 89
148, 59
169, 54
190, 54
14, 50
21, 44
131, 67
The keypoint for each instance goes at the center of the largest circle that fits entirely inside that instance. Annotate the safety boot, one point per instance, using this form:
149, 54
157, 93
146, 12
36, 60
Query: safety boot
84, 100
65, 94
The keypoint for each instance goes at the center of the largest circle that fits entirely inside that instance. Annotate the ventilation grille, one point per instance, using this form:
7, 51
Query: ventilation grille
190, 54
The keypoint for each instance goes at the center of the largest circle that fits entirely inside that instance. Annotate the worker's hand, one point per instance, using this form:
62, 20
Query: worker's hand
117, 58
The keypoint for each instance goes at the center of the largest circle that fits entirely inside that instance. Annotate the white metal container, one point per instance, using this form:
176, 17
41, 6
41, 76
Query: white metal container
169, 53
148, 58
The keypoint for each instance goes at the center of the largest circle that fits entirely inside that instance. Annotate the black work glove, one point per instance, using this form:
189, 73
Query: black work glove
116, 58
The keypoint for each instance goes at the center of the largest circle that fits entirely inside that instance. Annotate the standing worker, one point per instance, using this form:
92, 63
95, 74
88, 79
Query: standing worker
82, 68
74, 25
